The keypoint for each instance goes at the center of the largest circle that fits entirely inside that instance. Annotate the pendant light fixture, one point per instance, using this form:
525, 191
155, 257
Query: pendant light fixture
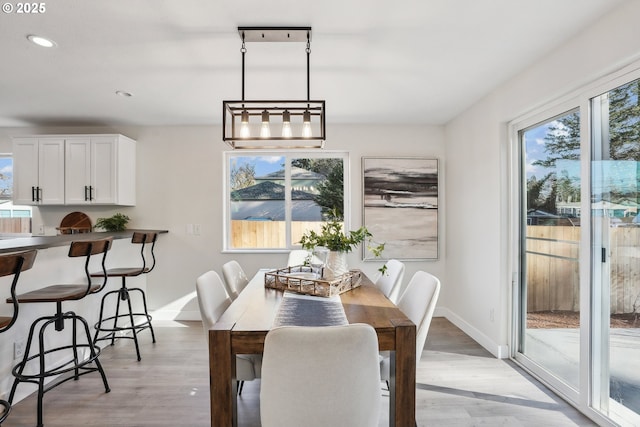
274, 124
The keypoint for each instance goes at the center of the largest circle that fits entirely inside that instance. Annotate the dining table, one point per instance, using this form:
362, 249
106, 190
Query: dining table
242, 329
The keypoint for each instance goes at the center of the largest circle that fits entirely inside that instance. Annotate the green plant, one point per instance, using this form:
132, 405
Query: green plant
117, 222
334, 238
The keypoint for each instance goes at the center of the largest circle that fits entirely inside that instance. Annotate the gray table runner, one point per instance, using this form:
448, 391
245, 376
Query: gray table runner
306, 310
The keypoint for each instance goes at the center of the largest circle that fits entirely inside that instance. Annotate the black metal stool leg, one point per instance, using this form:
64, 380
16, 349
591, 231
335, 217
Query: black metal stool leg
133, 328
147, 323
92, 351
98, 325
5, 412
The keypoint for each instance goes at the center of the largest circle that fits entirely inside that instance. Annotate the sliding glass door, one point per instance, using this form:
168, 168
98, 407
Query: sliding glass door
550, 226
615, 199
577, 221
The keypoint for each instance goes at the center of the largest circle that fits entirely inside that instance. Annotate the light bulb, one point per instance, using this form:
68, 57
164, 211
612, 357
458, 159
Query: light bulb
265, 131
306, 125
286, 124
244, 125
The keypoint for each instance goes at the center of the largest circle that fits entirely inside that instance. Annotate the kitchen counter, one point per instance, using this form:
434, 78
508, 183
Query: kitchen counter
44, 242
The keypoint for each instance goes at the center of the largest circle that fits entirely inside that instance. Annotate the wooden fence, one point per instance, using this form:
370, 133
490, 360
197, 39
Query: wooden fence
15, 225
267, 234
553, 268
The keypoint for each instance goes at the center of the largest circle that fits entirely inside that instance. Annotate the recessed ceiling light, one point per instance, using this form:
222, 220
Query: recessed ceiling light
41, 41
123, 93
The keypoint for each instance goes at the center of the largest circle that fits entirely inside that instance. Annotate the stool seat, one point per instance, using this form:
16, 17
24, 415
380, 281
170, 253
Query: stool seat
123, 272
56, 293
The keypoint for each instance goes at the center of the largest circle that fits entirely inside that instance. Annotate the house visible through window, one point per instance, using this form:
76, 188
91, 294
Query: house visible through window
13, 219
274, 198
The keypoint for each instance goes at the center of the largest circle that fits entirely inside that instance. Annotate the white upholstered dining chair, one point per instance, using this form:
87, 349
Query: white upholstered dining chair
297, 257
390, 281
418, 303
213, 300
235, 278
320, 376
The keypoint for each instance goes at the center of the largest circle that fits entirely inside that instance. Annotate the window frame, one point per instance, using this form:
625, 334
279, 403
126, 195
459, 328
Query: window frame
288, 156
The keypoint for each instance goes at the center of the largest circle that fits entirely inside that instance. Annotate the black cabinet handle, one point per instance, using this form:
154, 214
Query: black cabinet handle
85, 193
91, 192
39, 194
33, 193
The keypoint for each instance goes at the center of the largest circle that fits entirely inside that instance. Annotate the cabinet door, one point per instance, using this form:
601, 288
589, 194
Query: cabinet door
51, 171
78, 189
25, 170
103, 169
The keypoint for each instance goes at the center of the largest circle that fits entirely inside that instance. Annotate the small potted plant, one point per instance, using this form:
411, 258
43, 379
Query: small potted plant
339, 243
117, 222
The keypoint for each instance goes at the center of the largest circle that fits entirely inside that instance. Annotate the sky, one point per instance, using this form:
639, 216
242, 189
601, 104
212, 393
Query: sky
264, 165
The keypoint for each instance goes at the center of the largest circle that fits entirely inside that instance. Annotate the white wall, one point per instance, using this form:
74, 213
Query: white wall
477, 177
180, 182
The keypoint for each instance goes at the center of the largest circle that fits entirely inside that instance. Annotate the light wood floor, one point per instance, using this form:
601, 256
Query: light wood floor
459, 384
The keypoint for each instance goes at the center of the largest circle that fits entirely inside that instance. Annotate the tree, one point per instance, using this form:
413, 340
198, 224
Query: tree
243, 176
624, 122
331, 190
562, 141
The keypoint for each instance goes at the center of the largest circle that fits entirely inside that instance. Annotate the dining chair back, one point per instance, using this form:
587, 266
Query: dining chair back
235, 278
390, 281
418, 302
297, 257
213, 300
320, 376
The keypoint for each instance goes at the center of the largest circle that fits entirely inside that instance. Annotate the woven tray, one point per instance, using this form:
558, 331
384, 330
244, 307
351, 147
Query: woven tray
301, 279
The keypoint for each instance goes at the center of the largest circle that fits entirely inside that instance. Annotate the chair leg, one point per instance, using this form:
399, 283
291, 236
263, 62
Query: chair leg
101, 319
133, 328
5, 412
146, 312
92, 351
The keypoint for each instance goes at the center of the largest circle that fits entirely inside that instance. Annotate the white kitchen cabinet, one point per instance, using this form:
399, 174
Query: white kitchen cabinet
38, 171
100, 170
74, 170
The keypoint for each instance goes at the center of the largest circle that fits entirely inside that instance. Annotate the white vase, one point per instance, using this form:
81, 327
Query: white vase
336, 265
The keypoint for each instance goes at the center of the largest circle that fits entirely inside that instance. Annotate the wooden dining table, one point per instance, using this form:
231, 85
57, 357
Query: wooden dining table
244, 325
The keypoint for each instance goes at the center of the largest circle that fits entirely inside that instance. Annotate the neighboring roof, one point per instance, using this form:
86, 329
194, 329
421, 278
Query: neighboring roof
296, 173
268, 190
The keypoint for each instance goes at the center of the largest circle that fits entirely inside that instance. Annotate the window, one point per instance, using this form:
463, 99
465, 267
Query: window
13, 219
273, 198
6, 177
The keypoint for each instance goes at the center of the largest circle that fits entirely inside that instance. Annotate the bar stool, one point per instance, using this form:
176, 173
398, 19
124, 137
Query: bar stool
123, 295
67, 357
13, 264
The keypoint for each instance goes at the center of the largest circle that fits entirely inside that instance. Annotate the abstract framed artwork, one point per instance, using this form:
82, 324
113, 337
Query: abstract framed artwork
400, 206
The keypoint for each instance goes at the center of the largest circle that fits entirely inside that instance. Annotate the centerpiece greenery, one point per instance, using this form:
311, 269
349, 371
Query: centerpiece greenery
117, 222
332, 237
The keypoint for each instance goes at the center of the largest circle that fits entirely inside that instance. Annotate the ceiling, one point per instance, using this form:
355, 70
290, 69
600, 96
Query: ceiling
406, 61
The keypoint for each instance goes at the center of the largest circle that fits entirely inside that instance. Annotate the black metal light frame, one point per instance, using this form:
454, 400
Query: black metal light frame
254, 112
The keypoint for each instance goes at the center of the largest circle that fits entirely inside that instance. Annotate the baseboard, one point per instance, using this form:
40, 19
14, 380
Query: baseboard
499, 351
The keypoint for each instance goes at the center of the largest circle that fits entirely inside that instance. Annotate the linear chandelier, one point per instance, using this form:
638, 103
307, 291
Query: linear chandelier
274, 124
